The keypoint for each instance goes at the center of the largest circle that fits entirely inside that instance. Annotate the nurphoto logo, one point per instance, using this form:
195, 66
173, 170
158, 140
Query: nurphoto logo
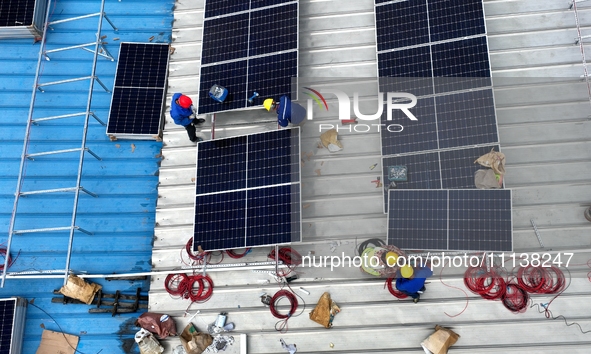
394, 100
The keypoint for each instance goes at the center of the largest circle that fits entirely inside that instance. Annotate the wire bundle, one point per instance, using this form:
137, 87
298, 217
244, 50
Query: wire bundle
487, 284
202, 257
235, 255
541, 280
287, 255
392, 289
198, 288
281, 326
4, 253
515, 298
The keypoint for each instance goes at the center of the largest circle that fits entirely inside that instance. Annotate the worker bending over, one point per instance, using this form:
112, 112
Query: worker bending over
183, 113
287, 111
411, 281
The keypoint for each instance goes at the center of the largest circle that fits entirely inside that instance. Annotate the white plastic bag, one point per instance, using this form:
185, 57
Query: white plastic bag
147, 343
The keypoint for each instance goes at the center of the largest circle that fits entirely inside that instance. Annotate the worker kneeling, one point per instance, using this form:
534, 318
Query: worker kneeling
411, 281
287, 111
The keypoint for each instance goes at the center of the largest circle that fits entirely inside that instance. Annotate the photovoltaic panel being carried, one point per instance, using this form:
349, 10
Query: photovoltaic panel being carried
138, 95
248, 46
248, 191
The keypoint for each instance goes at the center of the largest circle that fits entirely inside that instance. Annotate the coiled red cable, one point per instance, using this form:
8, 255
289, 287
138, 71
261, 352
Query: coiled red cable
392, 289
201, 257
487, 284
541, 280
198, 288
292, 300
287, 255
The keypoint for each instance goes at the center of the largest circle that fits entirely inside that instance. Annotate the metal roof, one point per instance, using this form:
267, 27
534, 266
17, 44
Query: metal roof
543, 111
126, 179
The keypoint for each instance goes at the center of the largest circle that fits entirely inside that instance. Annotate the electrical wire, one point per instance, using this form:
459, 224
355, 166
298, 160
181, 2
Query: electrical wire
487, 284
200, 257
197, 288
515, 298
235, 255
281, 326
60, 328
453, 287
392, 289
4, 253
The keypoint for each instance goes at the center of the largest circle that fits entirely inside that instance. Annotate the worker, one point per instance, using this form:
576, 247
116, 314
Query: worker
183, 113
411, 281
381, 260
287, 111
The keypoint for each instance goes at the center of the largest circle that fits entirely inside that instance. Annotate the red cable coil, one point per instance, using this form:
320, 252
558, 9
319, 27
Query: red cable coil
195, 257
184, 285
233, 254
487, 284
288, 255
292, 300
392, 289
176, 284
541, 280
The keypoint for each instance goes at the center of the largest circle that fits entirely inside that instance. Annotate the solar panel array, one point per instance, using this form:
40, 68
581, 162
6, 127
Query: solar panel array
140, 86
248, 46
7, 316
248, 191
16, 12
454, 219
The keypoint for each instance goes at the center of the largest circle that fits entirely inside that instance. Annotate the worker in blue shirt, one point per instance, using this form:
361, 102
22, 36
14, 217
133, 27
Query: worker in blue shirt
287, 111
183, 113
411, 281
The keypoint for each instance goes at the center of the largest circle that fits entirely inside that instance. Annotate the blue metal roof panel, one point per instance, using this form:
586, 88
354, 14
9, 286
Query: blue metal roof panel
126, 179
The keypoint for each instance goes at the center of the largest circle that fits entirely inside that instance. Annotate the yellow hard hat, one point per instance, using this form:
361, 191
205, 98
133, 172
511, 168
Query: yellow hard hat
268, 104
406, 271
391, 258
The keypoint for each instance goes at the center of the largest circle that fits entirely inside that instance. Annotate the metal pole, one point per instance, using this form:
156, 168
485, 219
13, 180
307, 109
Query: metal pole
84, 134
25, 145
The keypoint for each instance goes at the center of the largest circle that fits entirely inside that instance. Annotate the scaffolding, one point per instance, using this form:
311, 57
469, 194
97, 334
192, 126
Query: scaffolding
98, 49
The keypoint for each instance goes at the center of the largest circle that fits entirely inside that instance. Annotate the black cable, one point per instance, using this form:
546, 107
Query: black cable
60, 327
372, 241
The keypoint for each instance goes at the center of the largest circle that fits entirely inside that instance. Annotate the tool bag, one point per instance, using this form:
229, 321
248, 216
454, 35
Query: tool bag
324, 311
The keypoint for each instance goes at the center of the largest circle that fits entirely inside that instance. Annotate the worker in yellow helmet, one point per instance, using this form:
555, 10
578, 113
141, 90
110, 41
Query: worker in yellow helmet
287, 111
411, 281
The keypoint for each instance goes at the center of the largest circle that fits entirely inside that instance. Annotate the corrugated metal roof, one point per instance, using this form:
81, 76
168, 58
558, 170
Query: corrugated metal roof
543, 110
126, 179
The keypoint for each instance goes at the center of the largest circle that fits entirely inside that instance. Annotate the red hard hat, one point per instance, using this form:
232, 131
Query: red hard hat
185, 101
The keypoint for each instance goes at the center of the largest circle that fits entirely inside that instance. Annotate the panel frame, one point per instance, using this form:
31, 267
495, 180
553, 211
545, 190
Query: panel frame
292, 183
142, 136
448, 191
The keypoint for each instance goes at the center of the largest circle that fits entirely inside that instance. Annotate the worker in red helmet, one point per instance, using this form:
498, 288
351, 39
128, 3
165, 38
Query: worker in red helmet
183, 113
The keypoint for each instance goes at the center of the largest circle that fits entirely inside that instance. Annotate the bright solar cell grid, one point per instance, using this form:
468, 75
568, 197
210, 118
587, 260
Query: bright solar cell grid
137, 100
7, 312
402, 24
455, 18
465, 220
248, 46
16, 12
448, 169
410, 69
248, 191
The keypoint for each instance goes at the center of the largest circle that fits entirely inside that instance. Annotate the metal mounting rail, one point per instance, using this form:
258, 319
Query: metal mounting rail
579, 41
99, 50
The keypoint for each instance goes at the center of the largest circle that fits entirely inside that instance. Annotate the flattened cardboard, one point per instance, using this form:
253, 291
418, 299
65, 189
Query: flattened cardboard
55, 343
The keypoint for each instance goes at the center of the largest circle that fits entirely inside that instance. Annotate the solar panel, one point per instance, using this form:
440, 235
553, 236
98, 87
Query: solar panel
138, 95
248, 46
247, 191
12, 324
466, 220
16, 12
7, 313
455, 18
402, 24
458, 167
411, 68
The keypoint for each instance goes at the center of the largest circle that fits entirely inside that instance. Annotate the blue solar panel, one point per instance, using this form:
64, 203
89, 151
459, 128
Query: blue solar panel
466, 119
140, 84
402, 24
222, 42
273, 158
411, 68
16, 12
467, 59
135, 111
458, 167
7, 311
220, 220
418, 219
223, 7
475, 220
271, 76
142, 65
257, 178
480, 220
273, 30
273, 215
455, 18
248, 49
230, 75
222, 165
416, 136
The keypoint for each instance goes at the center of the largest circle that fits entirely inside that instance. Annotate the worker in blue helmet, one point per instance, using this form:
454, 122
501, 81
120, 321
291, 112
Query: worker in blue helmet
287, 111
183, 113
